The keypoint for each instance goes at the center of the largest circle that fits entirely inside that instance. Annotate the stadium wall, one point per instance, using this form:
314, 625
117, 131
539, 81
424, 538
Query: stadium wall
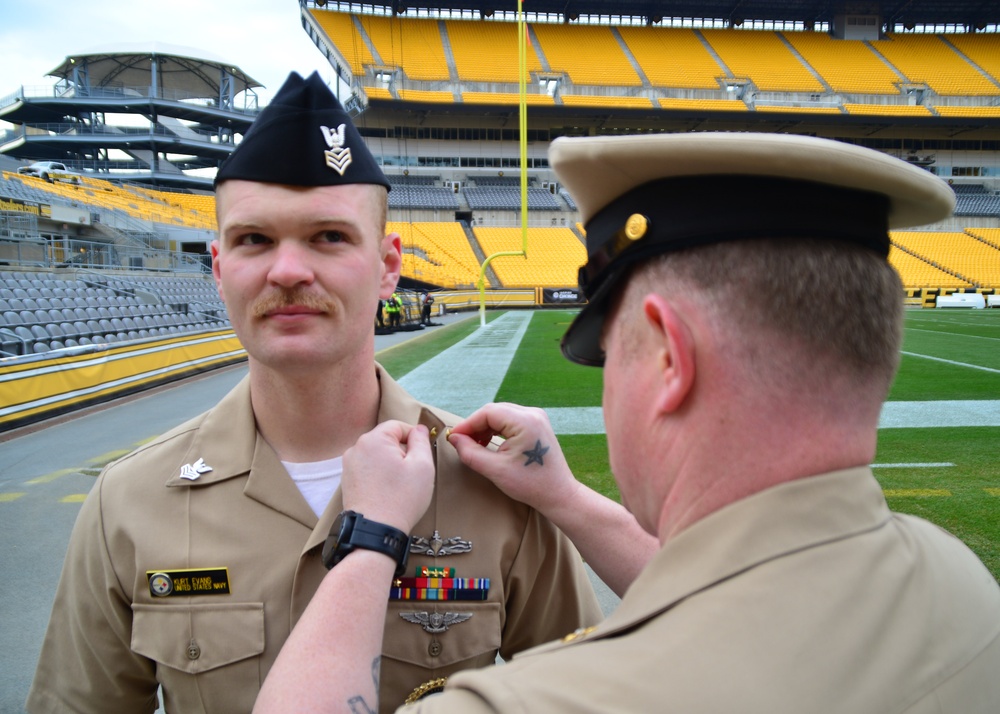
54, 383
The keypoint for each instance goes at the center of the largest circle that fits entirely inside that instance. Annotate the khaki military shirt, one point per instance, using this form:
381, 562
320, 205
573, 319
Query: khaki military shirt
210, 506
808, 597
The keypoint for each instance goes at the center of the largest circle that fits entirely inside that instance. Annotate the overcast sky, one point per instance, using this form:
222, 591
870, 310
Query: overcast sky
264, 38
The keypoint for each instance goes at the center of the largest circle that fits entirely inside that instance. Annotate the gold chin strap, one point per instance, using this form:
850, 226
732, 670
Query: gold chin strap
426, 689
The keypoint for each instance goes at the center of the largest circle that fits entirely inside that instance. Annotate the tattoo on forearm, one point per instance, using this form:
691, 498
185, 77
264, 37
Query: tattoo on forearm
357, 703
535, 455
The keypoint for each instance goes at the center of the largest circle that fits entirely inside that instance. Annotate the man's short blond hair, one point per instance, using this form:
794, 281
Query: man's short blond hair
801, 310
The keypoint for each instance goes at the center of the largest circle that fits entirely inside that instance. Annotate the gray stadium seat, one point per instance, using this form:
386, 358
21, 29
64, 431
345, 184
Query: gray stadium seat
12, 318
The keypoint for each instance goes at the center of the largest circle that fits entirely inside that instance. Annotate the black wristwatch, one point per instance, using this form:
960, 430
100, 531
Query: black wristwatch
352, 530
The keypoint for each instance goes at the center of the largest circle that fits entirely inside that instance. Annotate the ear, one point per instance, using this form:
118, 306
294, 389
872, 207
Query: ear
392, 264
674, 348
216, 270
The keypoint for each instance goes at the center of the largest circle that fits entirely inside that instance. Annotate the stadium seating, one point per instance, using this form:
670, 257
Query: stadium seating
419, 197
593, 100
983, 49
499, 198
164, 207
602, 57
340, 28
423, 95
411, 44
888, 109
487, 51
712, 105
554, 256
977, 204
930, 60
915, 272
669, 60
96, 309
967, 111
763, 57
672, 57
966, 259
437, 253
848, 66
506, 98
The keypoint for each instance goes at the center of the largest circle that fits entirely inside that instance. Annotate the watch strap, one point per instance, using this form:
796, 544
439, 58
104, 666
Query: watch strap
368, 535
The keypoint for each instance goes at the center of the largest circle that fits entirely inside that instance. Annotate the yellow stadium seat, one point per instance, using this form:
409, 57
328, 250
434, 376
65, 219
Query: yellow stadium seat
927, 59
764, 58
554, 256
589, 54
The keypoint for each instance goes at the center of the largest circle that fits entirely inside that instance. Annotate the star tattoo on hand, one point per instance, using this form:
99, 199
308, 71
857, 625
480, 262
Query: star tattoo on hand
535, 455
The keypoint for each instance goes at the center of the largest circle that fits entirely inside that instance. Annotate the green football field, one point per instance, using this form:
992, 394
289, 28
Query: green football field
950, 369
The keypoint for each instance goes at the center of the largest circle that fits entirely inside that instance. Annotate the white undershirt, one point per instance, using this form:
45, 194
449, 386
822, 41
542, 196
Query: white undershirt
317, 480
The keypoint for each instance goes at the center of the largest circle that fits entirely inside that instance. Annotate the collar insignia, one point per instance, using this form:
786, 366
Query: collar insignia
338, 156
193, 471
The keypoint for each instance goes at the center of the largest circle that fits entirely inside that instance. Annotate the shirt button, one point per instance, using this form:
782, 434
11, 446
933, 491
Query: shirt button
193, 650
434, 650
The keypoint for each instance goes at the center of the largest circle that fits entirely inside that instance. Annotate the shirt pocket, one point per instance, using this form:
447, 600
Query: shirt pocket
439, 634
207, 655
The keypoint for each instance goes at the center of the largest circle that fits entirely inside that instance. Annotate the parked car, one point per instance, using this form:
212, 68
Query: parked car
50, 171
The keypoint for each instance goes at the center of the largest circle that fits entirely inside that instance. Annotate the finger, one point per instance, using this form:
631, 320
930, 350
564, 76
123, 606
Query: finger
418, 442
499, 419
471, 451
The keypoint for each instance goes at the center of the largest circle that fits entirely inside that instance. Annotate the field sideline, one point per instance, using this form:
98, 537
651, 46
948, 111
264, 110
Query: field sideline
938, 438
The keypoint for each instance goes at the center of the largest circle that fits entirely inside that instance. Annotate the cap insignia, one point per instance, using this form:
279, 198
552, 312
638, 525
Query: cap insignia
636, 226
338, 156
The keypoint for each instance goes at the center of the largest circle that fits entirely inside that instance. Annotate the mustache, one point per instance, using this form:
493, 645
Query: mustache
290, 298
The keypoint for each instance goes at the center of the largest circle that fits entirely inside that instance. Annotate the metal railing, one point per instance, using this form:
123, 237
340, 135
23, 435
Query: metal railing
73, 253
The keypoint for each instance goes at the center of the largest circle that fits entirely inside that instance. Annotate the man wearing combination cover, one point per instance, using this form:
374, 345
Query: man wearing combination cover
194, 557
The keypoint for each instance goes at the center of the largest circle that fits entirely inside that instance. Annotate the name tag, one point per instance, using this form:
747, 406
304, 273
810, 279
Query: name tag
191, 581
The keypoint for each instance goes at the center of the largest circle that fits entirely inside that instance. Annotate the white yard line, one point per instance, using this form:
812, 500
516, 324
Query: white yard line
957, 364
895, 415
952, 334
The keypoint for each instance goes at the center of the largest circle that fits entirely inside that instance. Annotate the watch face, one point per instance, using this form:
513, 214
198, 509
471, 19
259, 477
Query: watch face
338, 542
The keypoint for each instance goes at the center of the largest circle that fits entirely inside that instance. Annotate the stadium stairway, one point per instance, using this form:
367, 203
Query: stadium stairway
491, 275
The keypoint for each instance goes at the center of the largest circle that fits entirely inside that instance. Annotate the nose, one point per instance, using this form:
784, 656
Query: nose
291, 265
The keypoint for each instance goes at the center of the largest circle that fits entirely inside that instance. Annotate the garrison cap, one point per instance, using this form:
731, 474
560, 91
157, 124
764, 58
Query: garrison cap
641, 196
303, 138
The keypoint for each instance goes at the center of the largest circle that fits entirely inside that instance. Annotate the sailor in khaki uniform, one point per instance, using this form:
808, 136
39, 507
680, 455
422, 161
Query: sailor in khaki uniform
746, 356
194, 557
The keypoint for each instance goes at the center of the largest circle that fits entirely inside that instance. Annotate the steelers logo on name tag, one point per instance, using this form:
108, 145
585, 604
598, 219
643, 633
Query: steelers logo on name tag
161, 584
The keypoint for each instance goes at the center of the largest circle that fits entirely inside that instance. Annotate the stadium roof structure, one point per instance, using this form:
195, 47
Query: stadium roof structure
166, 68
186, 98
976, 14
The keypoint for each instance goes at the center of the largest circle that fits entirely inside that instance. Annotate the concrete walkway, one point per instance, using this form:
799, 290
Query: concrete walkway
468, 374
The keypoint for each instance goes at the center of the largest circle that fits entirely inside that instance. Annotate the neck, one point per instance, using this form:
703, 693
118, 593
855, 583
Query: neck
316, 415
754, 445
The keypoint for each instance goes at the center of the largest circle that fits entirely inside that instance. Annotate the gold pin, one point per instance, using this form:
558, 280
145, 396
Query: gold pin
447, 433
636, 226
434, 432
